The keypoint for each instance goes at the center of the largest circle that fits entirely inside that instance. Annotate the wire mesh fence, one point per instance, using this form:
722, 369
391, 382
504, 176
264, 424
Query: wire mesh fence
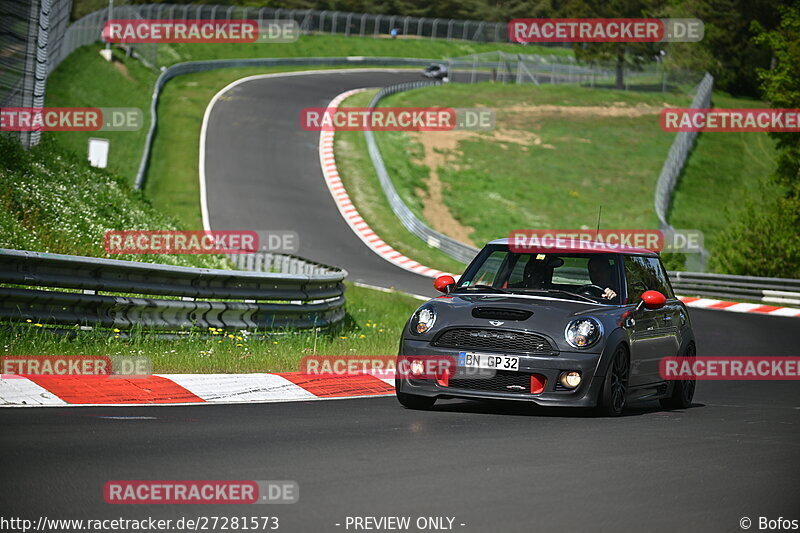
504, 67
26, 27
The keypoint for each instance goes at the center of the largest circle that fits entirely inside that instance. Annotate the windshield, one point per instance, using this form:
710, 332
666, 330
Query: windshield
589, 276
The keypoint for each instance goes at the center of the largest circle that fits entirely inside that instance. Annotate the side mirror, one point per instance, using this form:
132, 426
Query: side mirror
652, 300
444, 284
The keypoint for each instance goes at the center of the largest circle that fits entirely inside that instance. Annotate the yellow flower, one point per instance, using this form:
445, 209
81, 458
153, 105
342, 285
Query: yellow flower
361, 336
38, 325
274, 342
29, 320
239, 344
215, 332
342, 337
230, 336
380, 331
238, 338
116, 330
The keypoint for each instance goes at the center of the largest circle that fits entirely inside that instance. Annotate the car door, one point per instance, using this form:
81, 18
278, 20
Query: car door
673, 310
652, 335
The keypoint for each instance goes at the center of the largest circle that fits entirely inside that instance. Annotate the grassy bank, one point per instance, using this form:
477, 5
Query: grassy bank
557, 153
85, 79
723, 170
52, 201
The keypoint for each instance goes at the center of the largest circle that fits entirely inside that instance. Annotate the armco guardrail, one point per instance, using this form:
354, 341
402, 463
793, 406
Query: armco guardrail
166, 297
780, 291
452, 247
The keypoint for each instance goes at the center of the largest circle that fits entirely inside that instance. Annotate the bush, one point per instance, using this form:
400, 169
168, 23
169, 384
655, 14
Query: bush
765, 241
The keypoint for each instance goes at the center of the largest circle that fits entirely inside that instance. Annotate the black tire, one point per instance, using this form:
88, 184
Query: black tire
412, 401
611, 401
683, 390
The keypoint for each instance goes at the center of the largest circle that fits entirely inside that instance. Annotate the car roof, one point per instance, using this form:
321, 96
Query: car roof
583, 247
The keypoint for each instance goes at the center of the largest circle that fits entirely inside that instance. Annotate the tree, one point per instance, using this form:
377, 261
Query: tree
622, 54
780, 86
728, 50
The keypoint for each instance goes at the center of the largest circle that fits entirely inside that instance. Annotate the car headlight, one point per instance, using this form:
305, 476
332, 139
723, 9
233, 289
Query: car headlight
583, 332
423, 320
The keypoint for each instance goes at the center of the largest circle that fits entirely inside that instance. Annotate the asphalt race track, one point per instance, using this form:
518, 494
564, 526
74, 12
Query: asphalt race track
493, 467
263, 171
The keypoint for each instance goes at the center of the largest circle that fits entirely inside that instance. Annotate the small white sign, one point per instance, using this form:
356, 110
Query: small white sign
98, 152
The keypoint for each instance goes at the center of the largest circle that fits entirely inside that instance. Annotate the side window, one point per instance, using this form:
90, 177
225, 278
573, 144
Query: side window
645, 274
662, 281
635, 278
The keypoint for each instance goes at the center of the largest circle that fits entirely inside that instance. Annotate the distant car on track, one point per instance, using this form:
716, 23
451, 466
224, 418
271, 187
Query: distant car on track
556, 327
436, 71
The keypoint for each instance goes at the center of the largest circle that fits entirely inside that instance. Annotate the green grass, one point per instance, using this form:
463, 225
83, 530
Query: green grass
372, 327
322, 45
558, 182
51, 201
85, 79
723, 170
361, 181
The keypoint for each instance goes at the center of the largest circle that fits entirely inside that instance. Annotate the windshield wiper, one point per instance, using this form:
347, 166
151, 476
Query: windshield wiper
559, 291
482, 287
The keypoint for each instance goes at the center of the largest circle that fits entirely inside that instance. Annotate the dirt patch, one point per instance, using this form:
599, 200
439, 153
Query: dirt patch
122, 68
618, 109
439, 149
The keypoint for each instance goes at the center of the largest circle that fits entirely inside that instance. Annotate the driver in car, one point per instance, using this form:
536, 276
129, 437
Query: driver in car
602, 274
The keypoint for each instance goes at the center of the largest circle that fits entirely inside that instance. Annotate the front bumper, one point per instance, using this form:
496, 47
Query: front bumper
549, 366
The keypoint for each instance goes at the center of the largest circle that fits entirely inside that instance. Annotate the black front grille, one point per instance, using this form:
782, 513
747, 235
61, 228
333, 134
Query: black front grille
502, 381
496, 340
501, 313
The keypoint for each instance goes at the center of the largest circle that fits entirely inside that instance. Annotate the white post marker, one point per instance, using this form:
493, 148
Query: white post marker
98, 152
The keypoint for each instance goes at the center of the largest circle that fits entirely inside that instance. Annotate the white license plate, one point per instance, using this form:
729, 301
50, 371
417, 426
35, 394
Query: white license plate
488, 361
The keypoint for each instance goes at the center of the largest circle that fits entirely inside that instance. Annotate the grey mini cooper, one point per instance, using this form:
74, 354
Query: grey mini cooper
571, 326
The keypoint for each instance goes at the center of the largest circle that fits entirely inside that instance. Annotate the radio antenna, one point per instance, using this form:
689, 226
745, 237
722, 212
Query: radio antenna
600, 212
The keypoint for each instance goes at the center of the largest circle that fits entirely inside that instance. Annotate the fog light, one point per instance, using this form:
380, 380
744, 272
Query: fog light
571, 379
417, 367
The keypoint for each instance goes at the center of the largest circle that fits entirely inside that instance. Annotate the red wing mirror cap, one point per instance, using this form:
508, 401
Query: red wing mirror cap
653, 299
444, 284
